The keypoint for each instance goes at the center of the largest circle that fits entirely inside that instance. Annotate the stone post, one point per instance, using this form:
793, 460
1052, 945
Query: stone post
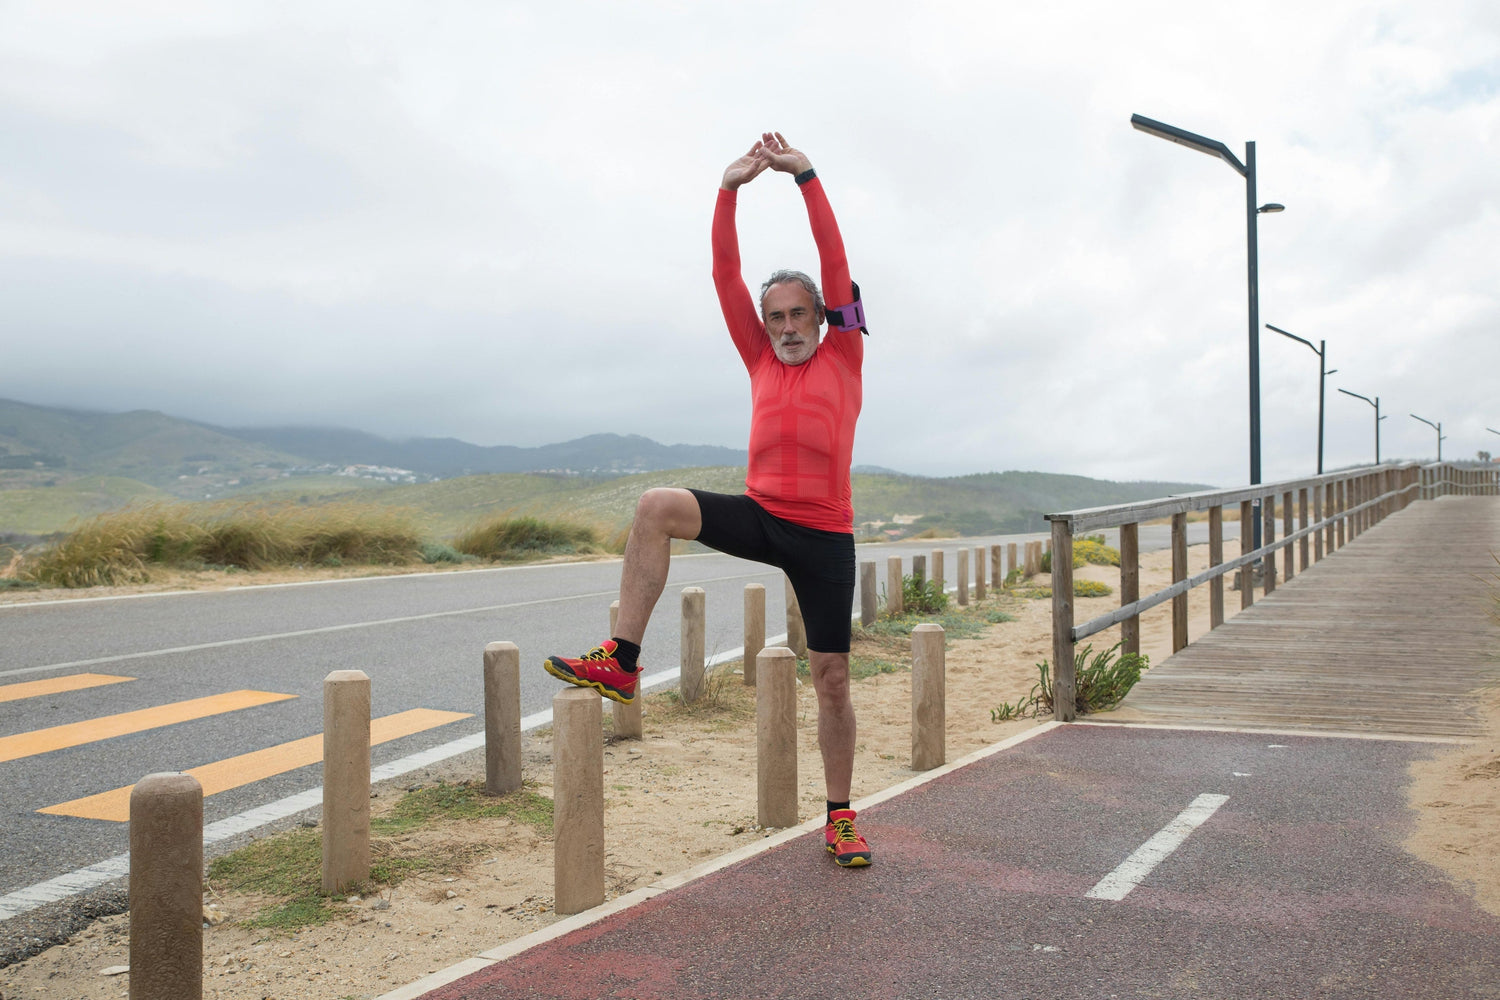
502, 718
346, 779
693, 631
928, 698
755, 628
776, 738
166, 888
577, 800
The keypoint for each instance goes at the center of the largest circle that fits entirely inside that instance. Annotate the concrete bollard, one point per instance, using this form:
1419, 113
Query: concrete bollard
577, 800
919, 568
776, 738
928, 698
502, 718
626, 718
796, 632
1010, 561
166, 888
997, 566
693, 631
346, 779
755, 628
979, 572
868, 599
962, 569
894, 604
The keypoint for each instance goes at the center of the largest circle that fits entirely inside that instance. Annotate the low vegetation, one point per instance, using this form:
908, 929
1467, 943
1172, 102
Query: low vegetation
286, 868
1101, 680
124, 546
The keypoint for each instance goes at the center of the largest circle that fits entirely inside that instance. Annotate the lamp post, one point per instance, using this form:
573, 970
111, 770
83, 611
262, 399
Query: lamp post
1435, 426
1323, 372
1378, 418
1246, 170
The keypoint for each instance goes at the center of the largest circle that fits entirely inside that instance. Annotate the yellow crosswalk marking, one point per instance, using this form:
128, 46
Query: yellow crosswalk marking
236, 771
92, 730
57, 685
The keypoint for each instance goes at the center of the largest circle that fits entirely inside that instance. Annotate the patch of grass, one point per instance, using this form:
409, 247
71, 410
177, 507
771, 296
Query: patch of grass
511, 539
1100, 681
724, 697
11, 583
1081, 588
288, 866
439, 552
1088, 549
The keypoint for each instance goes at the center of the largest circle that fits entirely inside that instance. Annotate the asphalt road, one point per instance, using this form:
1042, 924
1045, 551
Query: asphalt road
420, 639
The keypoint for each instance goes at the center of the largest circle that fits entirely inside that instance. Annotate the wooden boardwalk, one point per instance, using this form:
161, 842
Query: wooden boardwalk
1389, 635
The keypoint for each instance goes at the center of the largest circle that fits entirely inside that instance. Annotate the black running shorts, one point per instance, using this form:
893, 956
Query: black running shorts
820, 564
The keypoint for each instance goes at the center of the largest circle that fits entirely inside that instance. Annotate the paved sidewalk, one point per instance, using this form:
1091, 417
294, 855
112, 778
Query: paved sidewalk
1296, 885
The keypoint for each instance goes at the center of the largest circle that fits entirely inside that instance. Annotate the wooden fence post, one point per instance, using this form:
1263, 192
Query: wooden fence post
1268, 535
690, 678
577, 800
868, 599
1011, 563
919, 569
1247, 546
1064, 681
1304, 545
1216, 558
963, 577
346, 779
928, 698
893, 586
502, 718
796, 631
166, 888
979, 572
938, 578
997, 566
776, 738
1130, 585
755, 626
1179, 573
1317, 501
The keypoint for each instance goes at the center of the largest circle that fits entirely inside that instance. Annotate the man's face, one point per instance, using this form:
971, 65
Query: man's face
791, 322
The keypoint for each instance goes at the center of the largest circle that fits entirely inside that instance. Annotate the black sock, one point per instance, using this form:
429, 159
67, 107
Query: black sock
626, 653
835, 805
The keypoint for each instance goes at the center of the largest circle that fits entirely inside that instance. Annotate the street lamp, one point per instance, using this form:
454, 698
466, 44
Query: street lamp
1435, 426
1213, 147
1378, 418
1323, 372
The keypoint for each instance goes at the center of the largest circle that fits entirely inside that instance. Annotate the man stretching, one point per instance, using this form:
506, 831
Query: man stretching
796, 512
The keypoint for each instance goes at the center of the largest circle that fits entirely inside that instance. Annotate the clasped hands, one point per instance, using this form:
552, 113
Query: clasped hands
770, 150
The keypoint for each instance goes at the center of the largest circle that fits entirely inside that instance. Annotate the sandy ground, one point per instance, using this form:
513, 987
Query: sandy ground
686, 793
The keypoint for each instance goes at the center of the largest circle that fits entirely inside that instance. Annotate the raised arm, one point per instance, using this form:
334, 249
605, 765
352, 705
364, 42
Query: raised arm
838, 290
740, 313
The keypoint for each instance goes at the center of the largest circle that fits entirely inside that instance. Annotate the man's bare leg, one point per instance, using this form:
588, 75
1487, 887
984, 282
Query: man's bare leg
660, 516
836, 730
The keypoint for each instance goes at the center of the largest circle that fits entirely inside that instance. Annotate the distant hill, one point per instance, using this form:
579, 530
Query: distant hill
58, 464
595, 455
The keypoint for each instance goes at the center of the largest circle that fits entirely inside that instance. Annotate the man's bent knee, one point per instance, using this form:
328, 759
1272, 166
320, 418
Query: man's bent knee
830, 674
669, 511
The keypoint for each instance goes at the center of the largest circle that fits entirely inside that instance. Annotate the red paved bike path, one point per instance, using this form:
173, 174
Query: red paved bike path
1298, 886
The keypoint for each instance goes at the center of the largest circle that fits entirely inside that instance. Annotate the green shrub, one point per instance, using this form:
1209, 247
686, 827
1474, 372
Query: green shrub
438, 552
1088, 549
922, 595
1099, 684
506, 539
1091, 588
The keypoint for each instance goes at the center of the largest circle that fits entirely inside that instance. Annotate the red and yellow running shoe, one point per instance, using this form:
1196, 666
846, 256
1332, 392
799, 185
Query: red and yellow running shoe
844, 842
597, 669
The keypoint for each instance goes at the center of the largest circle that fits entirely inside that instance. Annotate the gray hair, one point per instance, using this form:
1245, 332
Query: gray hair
787, 277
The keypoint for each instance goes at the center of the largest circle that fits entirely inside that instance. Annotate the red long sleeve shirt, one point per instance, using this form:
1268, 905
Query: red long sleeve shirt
802, 416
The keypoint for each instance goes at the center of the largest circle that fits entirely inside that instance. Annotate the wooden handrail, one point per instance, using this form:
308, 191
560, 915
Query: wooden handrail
1344, 503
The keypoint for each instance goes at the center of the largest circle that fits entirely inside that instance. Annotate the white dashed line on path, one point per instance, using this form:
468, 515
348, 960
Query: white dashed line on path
1134, 869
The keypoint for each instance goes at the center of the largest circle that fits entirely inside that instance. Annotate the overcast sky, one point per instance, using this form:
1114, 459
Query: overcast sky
491, 220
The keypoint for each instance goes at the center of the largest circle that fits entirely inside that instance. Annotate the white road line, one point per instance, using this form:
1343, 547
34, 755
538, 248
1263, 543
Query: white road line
84, 879
1134, 869
198, 647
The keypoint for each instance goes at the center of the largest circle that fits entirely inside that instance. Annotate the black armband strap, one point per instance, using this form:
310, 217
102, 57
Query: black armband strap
806, 175
849, 317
